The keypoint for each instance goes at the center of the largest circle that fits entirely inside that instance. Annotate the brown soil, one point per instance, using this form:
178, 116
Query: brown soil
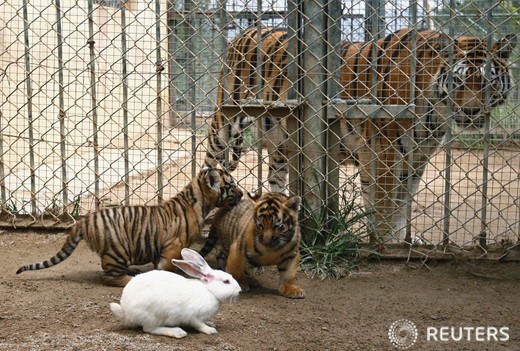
66, 307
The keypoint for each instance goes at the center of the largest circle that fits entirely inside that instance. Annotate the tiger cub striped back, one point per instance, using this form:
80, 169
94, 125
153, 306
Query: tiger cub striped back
264, 231
137, 235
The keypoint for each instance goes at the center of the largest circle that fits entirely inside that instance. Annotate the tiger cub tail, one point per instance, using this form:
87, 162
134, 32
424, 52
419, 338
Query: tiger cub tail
72, 241
210, 243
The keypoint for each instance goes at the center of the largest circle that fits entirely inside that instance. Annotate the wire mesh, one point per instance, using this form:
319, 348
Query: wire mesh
110, 103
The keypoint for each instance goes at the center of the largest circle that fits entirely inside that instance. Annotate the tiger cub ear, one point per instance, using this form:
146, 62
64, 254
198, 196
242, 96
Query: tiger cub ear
213, 178
253, 196
505, 46
293, 203
207, 167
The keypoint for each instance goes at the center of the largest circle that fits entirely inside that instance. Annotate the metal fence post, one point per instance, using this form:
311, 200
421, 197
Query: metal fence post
93, 94
315, 163
487, 132
126, 146
30, 117
158, 69
2, 165
294, 20
449, 135
61, 113
333, 136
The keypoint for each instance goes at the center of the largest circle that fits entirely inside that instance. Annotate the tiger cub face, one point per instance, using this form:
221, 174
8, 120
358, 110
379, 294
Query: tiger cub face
219, 187
276, 219
264, 231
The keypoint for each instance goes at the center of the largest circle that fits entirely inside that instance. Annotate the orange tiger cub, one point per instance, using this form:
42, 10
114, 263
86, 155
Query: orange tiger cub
137, 235
263, 231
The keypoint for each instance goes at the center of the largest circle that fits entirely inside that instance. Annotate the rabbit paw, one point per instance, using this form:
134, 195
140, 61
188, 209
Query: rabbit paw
167, 331
206, 329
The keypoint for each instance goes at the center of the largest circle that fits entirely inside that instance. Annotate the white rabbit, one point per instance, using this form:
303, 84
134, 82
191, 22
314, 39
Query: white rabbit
162, 301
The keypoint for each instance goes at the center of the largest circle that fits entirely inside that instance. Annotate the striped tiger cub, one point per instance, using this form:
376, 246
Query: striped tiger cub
408, 67
137, 235
264, 231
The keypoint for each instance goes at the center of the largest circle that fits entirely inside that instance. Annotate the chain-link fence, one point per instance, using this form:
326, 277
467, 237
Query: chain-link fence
118, 102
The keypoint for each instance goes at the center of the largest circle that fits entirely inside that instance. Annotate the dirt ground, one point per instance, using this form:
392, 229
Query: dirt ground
66, 307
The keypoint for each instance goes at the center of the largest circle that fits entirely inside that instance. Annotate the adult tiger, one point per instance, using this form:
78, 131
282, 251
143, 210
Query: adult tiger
475, 88
137, 235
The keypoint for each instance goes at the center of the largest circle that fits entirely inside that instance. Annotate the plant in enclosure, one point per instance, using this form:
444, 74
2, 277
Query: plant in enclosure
335, 247
53, 208
11, 208
76, 206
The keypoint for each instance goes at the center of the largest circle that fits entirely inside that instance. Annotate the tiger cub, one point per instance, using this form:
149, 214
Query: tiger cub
264, 231
137, 235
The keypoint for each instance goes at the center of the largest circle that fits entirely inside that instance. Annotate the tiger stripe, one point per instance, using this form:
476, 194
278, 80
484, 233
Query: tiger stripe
137, 235
395, 55
263, 231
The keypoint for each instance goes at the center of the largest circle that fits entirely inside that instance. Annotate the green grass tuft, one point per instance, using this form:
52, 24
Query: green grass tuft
334, 250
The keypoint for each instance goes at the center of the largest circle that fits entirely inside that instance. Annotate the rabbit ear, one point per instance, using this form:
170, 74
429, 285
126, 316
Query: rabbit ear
194, 270
193, 256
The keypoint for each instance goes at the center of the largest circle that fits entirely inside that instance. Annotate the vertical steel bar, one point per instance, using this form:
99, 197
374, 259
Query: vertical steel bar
173, 115
93, 94
62, 115
259, 88
428, 22
449, 134
294, 46
294, 22
333, 135
373, 33
314, 113
408, 198
260, 66
124, 68
224, 20
28, 82
158, 69
225, 77
487, 131
2, 165
3, 194
190, 8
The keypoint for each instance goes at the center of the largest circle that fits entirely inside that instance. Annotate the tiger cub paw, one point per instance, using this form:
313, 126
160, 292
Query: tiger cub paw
248, 283
292, 292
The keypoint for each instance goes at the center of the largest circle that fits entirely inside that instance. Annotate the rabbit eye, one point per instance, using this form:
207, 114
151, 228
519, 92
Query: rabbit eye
226, 281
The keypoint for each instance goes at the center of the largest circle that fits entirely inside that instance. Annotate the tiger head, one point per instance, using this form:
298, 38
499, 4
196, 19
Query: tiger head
276, 219
478, 83
219, 187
